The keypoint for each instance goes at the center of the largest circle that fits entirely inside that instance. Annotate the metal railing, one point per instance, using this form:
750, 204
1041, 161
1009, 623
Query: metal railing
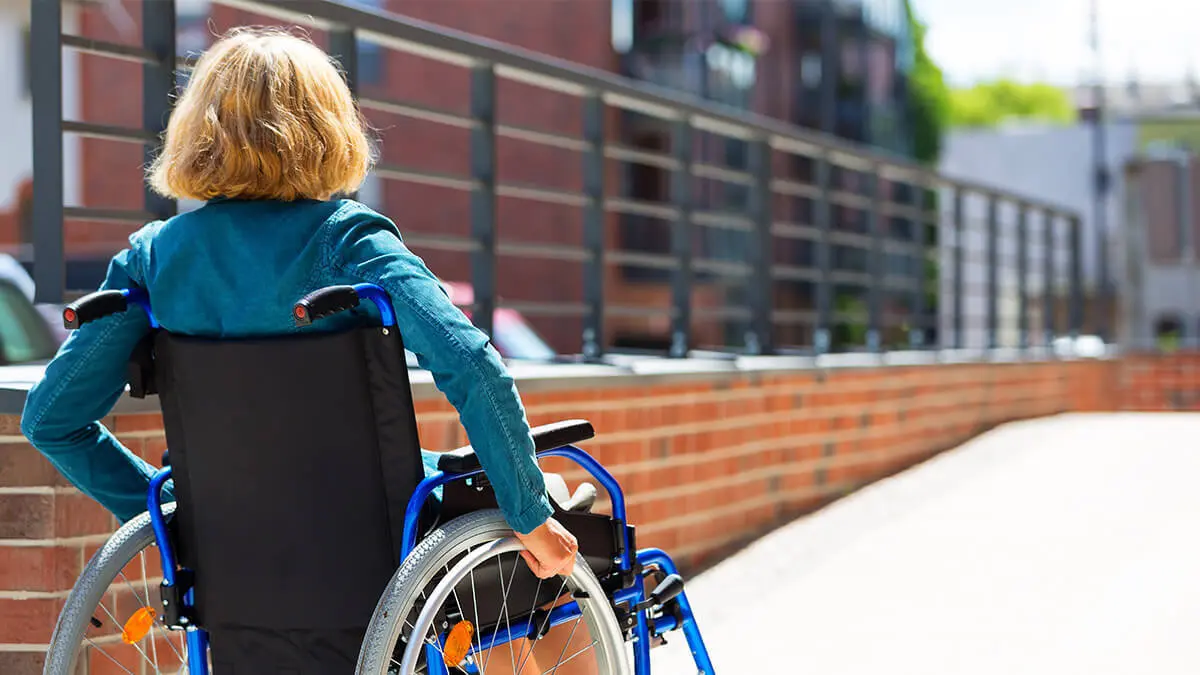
834, 229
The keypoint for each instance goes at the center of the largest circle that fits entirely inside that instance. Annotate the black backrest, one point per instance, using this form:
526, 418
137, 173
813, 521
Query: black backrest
293, 461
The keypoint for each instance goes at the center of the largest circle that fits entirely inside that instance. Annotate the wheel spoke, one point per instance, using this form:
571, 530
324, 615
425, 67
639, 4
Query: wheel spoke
567, 644
146, 587
569, 658
108, 656
545, 622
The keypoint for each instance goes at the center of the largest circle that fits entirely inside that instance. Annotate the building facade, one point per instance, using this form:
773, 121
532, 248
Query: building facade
698, 48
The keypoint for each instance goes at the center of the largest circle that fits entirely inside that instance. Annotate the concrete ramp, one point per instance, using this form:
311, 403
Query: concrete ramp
1062, 545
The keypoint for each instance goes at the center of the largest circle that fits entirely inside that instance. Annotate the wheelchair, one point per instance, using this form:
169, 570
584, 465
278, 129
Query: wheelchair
306, 537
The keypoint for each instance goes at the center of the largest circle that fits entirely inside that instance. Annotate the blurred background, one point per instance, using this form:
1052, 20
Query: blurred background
1067, 126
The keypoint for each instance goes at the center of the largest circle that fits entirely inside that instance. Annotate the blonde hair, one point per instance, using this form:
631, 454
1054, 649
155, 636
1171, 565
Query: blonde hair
266, 115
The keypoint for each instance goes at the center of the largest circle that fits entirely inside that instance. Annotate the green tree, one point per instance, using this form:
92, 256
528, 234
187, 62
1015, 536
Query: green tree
989, 104
928, 96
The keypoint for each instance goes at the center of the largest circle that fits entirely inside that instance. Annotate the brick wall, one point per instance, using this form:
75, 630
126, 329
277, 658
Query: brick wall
708, 463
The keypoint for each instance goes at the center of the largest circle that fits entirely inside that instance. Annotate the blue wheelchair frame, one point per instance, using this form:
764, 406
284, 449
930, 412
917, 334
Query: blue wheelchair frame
197, 638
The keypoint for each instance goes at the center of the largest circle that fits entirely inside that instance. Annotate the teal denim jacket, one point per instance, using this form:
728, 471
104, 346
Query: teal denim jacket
234, 269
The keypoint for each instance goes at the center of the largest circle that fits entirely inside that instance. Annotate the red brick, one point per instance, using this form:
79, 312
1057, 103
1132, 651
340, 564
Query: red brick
76, 515
21, 663
38, 568
26, 516
23, 466
27, 621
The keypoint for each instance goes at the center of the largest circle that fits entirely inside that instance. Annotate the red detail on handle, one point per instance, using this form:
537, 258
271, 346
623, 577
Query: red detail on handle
69, 315
300, 312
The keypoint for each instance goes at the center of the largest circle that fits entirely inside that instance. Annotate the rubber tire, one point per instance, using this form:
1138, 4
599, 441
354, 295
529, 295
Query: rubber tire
85, 596
427, 559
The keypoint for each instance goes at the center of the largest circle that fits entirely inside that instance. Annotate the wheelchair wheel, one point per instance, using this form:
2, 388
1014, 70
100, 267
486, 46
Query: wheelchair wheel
465, 602
109, 622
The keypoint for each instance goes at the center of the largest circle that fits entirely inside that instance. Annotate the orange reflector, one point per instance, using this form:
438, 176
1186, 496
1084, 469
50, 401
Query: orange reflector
138, 626
458, 643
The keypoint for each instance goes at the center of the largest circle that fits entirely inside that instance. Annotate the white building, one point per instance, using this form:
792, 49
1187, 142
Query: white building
1049, 164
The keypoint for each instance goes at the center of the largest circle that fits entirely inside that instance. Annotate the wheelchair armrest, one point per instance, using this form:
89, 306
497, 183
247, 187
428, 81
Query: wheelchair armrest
546, 437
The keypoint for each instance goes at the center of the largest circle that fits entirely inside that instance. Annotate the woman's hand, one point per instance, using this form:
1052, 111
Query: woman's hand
549, 550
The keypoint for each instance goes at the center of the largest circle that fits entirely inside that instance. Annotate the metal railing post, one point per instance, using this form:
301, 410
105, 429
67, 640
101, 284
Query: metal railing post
593, 226
823, 220
343, 46
158, 83
681, 238
1023, 276
1049, 297
993, 272
45, 53
760, 338
1076, 307
874, 190
483, 198
960, 336
916, 333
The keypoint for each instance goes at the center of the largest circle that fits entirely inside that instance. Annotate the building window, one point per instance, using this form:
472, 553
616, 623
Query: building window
370, 54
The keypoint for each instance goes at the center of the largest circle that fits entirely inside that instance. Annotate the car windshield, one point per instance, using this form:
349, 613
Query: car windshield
24, 336
516, 340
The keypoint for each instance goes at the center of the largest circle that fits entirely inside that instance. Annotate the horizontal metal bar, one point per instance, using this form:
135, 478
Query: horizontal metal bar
721, 173
456, 47
721, 312
107, 215
545, 138
852, 239
113, 50
850, 200
725, 221
420, 177
848, 277
794, 189
625, 310
559, 309
905, 211
546, 251
441, 242
794, 316
795, 231
634, 259
418, 111
898, 282
792, 273
636, 207
722, 267
541, 194
108, 132
635, 156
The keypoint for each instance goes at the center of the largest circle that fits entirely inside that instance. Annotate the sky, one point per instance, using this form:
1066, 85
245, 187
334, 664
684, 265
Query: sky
1047, 40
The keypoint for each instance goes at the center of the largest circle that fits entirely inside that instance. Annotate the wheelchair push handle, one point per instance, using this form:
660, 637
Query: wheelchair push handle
325, 302
100, 304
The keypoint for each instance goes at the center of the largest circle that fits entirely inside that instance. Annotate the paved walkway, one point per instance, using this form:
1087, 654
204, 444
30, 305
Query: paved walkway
1059, 546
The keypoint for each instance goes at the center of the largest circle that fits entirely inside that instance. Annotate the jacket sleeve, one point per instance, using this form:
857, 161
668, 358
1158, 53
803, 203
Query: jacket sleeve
366, 247
80, 386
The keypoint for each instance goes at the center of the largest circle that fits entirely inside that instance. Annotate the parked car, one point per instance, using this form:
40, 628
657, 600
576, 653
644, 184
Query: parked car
27, 333
512, 335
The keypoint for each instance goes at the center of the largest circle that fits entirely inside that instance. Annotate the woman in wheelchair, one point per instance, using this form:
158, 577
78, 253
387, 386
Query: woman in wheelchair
299, 485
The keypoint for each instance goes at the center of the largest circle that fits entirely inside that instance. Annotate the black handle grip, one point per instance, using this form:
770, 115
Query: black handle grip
94, 306
324, 302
